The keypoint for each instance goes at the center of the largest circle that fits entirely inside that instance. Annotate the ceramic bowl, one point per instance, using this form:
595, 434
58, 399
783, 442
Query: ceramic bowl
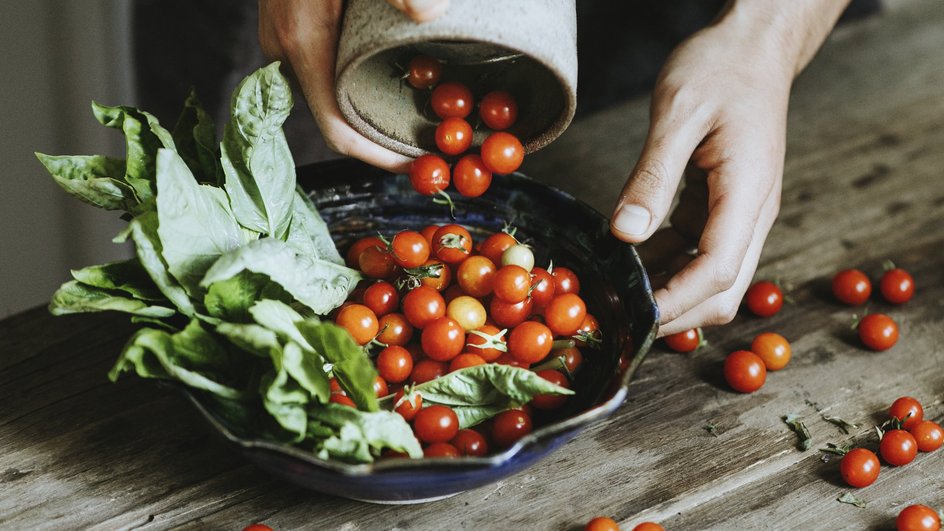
357, 200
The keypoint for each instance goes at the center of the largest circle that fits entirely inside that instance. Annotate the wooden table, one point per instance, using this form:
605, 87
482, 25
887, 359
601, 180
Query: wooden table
863, 182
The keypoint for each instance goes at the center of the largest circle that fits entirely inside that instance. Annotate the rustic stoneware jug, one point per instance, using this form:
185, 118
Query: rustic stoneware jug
525, 47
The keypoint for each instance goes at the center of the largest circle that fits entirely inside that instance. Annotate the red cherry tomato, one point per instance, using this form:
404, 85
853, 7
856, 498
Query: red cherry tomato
475, 276
572, 357
471, 443
564, 314
773, 348
427, 369
897, 286
451, 100
530, 342
542, 287
502, 152
918, 518
551, 401
440, 276
686, 341
508, 315
483, 347
409, 249
394, 329
852, 287
648, 526
375, 262
510, 426
744, 371
394, 364
359, 321
443, 339
602, 523
428, 232
508, 359
898, 447
466, 360
498, 110
589, 328
382, 298
423, 72
859, 468
878, 331
354, 253
343, 400
764, 298
453, 136
929, 435
470, 175
452, 244
429, 174
440, 450
495, 245
435, 424
380, 387
423, 305
908, 410
565, 281
407, 407
511, 283
257, 527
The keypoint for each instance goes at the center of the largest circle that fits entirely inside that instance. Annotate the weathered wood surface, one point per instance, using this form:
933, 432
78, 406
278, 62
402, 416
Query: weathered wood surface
863, 182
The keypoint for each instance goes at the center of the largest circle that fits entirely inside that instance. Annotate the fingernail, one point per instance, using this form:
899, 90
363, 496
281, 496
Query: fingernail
632, 219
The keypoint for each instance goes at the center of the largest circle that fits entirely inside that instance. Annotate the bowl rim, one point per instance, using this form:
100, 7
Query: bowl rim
586, 418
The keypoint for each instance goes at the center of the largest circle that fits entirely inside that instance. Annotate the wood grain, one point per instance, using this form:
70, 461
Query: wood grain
862, 183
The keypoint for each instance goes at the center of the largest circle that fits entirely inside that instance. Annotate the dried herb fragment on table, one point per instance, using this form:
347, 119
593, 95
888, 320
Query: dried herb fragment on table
851, 499
800, 429
712, 429
843, 425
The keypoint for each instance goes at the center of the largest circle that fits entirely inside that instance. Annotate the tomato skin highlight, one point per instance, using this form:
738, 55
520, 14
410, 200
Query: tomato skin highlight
897, 286
878, 331
409, 249
502, 152
443, 339
684, 342
852, 287
928, 435
530, 342
601, 523
908, 410
476, 275
764, 298
744, 371
495, 245
564, 314
859, 468
453, 136
451, 100
773, 349
359, 321
918, 518
898, 447
429, 174
395, 329
510, 426
382, 298
471, 176
471, 443
394, 364
423, 305
423, 72
498, 110
435, 424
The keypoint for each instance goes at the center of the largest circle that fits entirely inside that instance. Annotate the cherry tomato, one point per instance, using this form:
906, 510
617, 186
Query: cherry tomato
519, 255
686, 341
878, 331
648, 526
451, 100
394, 364
380, 387
435, 424
511, 284
773, 348
423, 72
443, 339
764, 298
510, 426
440, 450
409, 249
564, 314
467, 311
452, 244
744, 371
908, 410
565, 281
493, 246
602, 523
428, 232
344, 400
509, 315
550, 401
918, 518
453, 136
542, 287
898, 447
475, 276
852, 287
929, 435
859, 468
572, 357
470, 442
483, 347
257, 527
375, 262
466, 360
354, 253
897, 286
438, 279
470, 175
429, 174
407, 407
359, 321
427, 369
382, 298
335, 387
498, 110
507, 359
502, 152
530, 342
423, 305
394, 329
590, 329
452, 293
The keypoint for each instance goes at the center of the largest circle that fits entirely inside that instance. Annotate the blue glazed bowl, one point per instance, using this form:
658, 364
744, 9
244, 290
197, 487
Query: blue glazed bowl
356, 201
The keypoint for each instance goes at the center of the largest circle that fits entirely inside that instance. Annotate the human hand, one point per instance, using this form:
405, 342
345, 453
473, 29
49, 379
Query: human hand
303, 34
719, 107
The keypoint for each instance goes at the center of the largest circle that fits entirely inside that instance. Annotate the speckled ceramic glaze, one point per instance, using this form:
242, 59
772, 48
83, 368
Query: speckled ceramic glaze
356, 200
526, 47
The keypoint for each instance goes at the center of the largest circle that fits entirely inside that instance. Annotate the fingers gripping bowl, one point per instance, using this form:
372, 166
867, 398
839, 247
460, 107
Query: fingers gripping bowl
356, 201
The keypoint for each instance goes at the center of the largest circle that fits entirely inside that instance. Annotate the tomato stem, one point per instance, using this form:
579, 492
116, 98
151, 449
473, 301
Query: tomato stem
445, 199
563, 343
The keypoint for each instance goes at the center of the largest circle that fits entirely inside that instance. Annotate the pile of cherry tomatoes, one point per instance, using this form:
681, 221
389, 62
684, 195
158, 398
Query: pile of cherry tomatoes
877, 331
453, 102
435, 302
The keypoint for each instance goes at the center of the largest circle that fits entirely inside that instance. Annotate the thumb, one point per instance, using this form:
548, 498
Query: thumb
421, 10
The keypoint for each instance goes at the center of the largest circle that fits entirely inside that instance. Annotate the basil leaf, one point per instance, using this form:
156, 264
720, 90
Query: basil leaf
309, 233
252, 338
306, 368
360, 436
257, 162
196, 225
128, 276
318, 284
75, 297
95, 179
148, 247
351, 366
280, 318
195, 138
231, 299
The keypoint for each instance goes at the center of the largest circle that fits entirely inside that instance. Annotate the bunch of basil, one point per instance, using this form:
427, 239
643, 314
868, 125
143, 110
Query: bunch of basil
233, 267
